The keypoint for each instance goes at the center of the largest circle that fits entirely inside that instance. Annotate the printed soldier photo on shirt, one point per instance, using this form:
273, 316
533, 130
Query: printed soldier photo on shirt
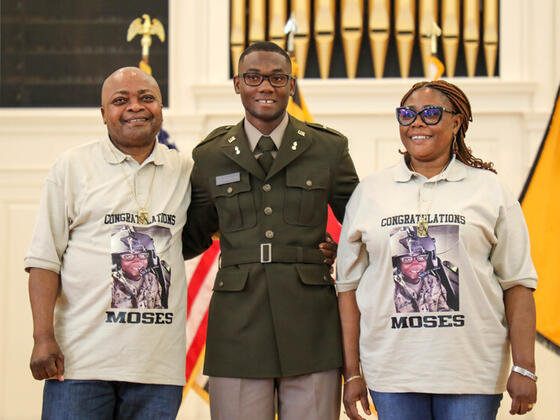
140, 278
425, 281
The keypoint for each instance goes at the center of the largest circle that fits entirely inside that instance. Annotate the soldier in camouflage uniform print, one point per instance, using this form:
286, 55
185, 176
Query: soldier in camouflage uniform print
417, 289
140, 278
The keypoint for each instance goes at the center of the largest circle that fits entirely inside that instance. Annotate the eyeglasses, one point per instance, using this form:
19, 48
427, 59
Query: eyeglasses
276, 80
407, 259
130, 257
431, 115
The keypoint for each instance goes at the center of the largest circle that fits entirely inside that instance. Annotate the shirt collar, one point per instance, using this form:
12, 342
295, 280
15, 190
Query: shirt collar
455, 171
109, 152
254, 135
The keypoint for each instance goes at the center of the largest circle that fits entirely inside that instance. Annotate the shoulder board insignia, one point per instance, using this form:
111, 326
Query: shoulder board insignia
324, 128
216, 133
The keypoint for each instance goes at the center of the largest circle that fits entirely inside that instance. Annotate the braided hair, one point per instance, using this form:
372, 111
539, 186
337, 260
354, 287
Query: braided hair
461, 106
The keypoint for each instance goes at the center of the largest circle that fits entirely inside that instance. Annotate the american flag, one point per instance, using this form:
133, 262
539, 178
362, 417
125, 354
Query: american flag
201, 272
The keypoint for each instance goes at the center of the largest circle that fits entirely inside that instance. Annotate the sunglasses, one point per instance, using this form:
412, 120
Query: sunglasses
431, 115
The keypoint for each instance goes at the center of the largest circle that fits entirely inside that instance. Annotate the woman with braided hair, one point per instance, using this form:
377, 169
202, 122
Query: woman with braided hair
446, 217
462, 106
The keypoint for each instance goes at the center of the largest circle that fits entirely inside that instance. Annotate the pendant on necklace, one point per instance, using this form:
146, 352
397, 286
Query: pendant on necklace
422, 230
143, 216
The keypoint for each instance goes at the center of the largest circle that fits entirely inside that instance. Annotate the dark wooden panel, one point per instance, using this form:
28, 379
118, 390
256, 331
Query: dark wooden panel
57, 54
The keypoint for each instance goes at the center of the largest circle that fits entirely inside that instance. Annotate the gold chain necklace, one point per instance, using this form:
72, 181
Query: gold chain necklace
422, 227
143, 216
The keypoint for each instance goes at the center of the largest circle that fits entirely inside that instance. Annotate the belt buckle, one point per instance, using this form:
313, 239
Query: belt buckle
265, 259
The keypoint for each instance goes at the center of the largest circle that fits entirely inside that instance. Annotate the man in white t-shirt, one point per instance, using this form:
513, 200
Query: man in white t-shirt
107, 281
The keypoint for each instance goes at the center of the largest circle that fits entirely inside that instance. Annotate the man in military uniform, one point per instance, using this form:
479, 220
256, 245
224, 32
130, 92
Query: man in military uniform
265, 183
140, 278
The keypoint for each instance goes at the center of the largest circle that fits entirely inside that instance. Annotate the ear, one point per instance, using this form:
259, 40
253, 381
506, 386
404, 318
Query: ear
236, 84
292, 86
457, 121
103, 115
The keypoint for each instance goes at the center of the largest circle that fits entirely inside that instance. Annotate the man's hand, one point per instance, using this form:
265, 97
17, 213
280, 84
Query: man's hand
523, 393
355, 390
47, 361
328, 248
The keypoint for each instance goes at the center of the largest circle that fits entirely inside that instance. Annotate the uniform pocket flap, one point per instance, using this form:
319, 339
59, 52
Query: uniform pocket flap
230, 279
230, 189
314, 274
307, 178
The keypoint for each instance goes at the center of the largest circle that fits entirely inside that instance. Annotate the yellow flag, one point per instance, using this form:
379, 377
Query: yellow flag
540, 201
298, 109
296, 106
435, 68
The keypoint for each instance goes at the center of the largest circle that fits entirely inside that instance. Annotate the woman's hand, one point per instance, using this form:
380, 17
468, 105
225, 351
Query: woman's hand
523, 393
355, 390
329, 248
521, 317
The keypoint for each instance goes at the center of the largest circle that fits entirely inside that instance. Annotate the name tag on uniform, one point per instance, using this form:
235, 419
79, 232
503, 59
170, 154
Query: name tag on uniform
228, 178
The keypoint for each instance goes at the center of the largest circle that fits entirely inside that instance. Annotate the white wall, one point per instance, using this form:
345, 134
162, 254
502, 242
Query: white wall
510, 115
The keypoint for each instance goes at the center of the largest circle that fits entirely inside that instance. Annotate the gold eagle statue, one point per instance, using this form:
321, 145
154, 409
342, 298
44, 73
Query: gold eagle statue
146, 29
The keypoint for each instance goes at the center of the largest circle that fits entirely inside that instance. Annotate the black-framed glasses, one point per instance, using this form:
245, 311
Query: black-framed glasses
431, 115
276, 80
407, 259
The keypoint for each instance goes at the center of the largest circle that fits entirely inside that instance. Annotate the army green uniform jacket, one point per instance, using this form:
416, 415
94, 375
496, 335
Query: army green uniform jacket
273, 312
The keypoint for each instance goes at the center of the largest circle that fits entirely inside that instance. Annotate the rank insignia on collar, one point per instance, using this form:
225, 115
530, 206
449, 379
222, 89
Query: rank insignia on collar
301, 133
294, 145
237, 151
231, 139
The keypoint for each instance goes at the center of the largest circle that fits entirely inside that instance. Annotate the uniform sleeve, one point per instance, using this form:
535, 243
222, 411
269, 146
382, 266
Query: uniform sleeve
51, 233
511, 256
344, 182
202, 216
352, 256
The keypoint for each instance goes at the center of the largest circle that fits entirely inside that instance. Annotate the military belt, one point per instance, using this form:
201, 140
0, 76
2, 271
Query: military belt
269, 253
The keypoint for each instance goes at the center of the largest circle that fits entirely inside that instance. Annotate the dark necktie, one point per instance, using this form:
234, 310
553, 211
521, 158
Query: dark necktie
266, 146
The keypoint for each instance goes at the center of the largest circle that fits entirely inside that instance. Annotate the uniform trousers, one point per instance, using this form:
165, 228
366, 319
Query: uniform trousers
315, 396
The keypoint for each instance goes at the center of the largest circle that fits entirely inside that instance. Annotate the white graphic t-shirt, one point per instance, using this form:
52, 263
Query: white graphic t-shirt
121, 311
429, 284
